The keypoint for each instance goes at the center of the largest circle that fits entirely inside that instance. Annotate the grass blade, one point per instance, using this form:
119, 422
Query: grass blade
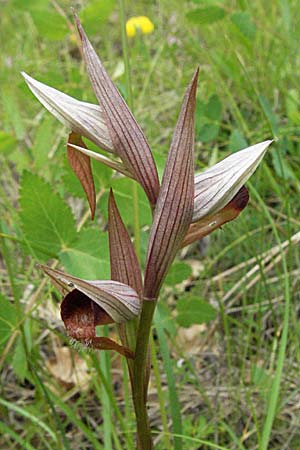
173, 397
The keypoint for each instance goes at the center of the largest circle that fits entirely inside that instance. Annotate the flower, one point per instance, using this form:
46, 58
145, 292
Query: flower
217, 185
87, 304
139, 23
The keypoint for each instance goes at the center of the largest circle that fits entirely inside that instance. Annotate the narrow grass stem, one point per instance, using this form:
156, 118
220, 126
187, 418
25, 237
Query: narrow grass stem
163, 413
174, 403
275, 387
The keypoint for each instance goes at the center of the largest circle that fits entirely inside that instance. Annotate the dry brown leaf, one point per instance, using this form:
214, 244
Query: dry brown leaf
69, 368
189, 339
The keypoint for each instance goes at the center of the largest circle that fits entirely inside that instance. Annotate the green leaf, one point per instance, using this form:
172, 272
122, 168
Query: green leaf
286, 15
12, 117
50, 24
122, 189
206, 15
292, 102
208, 132
237, 141
243, 22
30, 5
89, 256
47, 221
8, 320
271, 117
208, 118
260, 378
95, 14
178, 272
213, 108
7, 143
166, 320
193, 310
42, 144
281, 164
19, 361
207, 2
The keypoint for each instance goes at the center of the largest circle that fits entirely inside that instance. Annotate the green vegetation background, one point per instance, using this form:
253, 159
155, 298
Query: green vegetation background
233, 337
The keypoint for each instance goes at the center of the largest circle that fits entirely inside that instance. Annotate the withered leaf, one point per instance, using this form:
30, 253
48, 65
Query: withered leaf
81, 166
174, 209
126, 135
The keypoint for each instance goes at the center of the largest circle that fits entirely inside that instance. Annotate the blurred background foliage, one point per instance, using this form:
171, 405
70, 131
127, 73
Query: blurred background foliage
222, 311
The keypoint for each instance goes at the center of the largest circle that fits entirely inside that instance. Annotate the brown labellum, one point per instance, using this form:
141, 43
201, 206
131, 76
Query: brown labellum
81, 315
87, 304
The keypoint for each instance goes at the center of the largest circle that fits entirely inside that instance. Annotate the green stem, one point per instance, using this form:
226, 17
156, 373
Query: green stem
140, 375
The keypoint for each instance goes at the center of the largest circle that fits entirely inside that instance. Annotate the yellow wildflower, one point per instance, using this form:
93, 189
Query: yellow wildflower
140, 23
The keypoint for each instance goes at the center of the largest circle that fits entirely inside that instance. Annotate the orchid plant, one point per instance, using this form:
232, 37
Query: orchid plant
185, 207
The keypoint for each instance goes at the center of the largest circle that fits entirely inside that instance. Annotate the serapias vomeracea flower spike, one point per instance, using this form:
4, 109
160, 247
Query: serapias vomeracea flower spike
81, 166
210, 223
175, 204
87, 304
217, 186
126, 135
85, 119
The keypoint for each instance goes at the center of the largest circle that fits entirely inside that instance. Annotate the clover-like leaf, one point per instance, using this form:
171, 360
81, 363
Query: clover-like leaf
85, 119
216, 186
174, 209
126, 135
